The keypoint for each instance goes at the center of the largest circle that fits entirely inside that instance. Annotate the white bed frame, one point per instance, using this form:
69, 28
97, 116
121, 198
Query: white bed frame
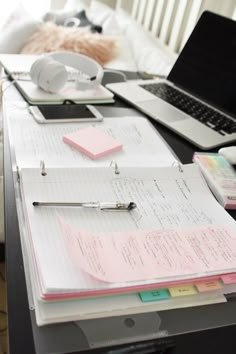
171, 21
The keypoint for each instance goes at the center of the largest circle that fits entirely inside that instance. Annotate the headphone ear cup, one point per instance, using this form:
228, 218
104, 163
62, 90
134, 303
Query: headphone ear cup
49, 74
36, 68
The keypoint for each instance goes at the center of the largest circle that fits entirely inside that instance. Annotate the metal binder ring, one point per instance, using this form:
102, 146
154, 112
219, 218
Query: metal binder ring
180, 167
114, 164
43, 170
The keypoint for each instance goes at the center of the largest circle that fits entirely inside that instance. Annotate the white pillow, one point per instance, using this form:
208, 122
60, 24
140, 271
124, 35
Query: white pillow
149, 53
77, 5
13, 38
105, 16
123, 19
99, 12
71, 8
124, 60
20, 12
110, 26
15, 13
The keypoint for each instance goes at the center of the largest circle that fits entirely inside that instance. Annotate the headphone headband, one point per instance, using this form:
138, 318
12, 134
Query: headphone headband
90, 68
82, 63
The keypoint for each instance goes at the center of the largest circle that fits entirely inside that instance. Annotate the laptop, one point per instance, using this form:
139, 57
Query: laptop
197, 100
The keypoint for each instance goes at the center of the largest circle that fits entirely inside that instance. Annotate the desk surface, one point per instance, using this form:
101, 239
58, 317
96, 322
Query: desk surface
183, 330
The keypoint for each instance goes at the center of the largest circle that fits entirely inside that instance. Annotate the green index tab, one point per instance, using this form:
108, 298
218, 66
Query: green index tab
154, 295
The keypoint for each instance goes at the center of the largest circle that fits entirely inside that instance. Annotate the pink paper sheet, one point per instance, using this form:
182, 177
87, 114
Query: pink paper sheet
153, 254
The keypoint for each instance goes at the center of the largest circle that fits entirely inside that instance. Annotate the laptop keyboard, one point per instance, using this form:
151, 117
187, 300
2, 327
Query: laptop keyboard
204, 114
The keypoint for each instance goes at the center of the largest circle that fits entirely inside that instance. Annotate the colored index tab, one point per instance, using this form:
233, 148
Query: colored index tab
229, 278
208, 286
155, 295
184, 290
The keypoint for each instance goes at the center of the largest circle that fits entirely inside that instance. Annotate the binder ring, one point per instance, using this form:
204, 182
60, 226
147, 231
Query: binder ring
180, 167
114, 164
43, 170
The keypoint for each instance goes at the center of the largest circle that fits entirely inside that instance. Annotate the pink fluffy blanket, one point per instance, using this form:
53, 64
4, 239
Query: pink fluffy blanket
51, 37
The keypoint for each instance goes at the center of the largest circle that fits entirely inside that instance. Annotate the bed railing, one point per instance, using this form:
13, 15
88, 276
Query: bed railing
171, 21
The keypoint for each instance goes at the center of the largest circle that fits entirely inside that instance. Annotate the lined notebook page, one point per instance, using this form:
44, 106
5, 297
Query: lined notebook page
165, 198
142, 145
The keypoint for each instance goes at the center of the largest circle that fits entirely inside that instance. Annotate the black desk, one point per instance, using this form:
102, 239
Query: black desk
206, 330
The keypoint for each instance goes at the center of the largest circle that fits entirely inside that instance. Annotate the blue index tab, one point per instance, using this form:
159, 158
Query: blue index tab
154, 295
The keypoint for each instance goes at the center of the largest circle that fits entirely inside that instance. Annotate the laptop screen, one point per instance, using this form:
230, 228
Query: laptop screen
206, 66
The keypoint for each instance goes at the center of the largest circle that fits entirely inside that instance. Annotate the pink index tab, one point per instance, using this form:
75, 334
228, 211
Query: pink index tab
208, 286
92, 142
229, 278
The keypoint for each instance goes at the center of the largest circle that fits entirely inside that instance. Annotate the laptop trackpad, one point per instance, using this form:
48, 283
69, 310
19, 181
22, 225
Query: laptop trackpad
161, 110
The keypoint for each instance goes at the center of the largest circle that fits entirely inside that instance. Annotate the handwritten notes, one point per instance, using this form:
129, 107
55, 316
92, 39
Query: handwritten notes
142, 144
156, 254
166, 200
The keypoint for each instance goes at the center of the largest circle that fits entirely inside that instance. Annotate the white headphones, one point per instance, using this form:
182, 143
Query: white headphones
50, 74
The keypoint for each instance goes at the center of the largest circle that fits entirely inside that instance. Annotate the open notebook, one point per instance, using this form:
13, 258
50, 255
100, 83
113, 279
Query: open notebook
177, 221
18, 67
142, 145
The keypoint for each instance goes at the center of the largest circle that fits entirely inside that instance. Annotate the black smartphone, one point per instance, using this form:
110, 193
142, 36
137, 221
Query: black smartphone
65, 113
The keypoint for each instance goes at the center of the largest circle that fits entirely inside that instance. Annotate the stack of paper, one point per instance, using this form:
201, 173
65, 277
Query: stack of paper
177, 234
163, 202
48, 312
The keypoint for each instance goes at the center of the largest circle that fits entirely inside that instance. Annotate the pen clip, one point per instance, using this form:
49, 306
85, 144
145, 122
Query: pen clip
117, 206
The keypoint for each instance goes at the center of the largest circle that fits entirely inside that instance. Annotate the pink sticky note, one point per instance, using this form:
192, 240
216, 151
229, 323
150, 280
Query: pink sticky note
92, 142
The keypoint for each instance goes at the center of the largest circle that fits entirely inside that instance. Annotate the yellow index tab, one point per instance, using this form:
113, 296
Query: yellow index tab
184, 290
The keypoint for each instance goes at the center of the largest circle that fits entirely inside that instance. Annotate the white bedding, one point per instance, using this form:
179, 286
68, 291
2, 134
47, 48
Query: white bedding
137, 50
